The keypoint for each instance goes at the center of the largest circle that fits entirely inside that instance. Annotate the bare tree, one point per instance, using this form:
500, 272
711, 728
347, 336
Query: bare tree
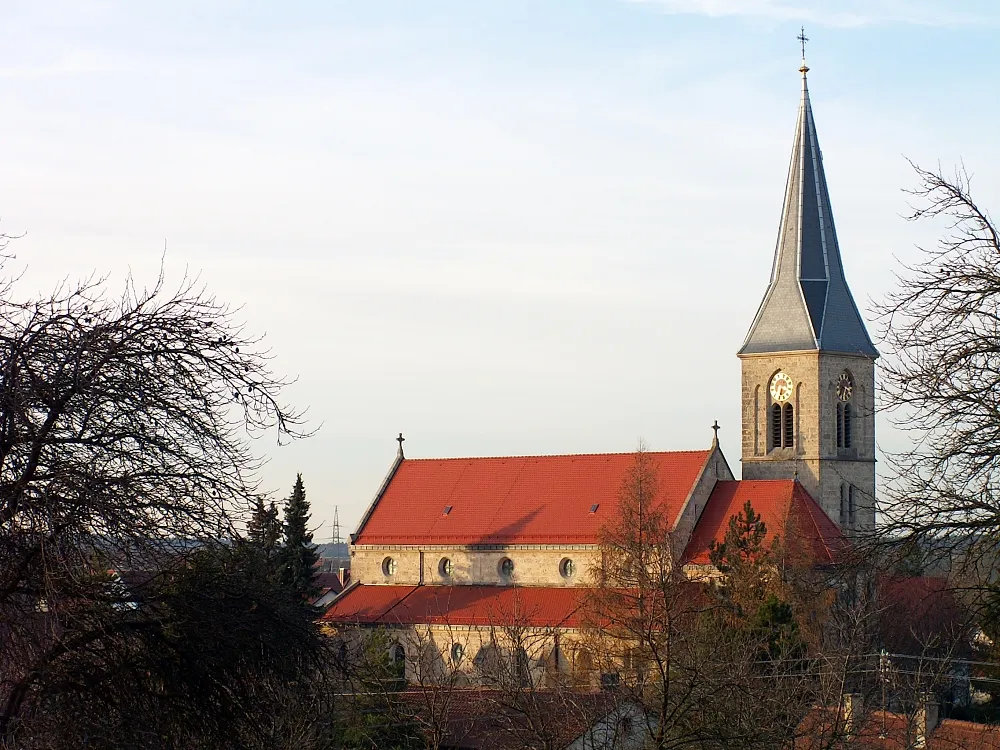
718, 661
941, 377
123, 452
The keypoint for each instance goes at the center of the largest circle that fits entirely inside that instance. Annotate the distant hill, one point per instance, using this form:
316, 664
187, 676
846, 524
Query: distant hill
333, 551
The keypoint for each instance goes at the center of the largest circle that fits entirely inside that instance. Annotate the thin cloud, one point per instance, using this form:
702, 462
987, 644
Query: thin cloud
848, 14
68, 65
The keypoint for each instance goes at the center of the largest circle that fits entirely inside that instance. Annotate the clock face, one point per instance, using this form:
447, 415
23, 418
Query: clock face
781, 387
845, 387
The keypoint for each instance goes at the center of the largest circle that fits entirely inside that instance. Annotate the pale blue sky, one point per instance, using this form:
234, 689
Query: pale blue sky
499, 227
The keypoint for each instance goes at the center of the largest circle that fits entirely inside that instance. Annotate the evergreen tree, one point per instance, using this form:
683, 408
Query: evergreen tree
747, 565
744, 542
264, 528
298, 555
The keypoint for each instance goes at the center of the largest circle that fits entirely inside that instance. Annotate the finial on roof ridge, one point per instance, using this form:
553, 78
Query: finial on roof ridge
400, 440
715, 437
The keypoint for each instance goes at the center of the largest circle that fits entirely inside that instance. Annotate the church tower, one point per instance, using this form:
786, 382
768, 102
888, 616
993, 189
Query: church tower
808, 362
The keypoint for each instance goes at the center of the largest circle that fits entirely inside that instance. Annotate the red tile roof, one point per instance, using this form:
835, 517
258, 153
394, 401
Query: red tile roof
784, 506
528, 499
531, 606
482, 719
884, 730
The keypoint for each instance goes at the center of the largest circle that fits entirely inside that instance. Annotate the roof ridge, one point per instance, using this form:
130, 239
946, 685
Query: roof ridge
560, 455
399, 601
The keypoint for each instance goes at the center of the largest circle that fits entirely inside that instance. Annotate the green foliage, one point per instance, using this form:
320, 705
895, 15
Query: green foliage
298, 554
743, 545
750, 589
376, 716
185, 657
264, 529
776, 632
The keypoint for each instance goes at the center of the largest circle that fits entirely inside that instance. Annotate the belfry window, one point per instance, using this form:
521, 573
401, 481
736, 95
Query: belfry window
781, 414
782, 426
845, 392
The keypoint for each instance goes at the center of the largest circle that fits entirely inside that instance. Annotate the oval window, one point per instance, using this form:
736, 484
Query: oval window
446, 567
506, 567
457, 652
567, 568
389, 567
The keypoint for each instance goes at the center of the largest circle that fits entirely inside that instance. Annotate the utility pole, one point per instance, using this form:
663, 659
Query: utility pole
336, 525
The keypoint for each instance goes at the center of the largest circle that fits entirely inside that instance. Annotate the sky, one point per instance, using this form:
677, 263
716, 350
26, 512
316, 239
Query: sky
500, 228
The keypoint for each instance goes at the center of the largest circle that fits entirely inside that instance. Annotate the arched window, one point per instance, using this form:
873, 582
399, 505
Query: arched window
851, 509
845, 393
782, 426
397, 655
522, 665
775, 425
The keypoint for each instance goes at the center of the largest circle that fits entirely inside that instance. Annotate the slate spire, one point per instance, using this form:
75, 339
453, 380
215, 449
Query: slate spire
808, 305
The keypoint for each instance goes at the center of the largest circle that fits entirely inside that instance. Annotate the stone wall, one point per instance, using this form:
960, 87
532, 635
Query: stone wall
431, 656
534, 565
814, 458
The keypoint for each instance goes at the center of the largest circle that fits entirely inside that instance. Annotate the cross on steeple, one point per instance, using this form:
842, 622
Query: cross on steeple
400, 440
802, 40
715, 429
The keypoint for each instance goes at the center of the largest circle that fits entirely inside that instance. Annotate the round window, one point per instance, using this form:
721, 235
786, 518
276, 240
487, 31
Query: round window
567, 568
506, 567
446, 567
457, 652
389, 567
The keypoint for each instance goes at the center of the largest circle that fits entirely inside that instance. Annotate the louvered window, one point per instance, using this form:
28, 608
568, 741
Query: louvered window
788, 425
847, 425
776, 426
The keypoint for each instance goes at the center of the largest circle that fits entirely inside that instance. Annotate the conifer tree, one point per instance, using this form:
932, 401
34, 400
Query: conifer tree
743, 558
264, 528
744, 542
298, 554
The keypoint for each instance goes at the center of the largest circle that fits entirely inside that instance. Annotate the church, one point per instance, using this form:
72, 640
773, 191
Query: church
453, 547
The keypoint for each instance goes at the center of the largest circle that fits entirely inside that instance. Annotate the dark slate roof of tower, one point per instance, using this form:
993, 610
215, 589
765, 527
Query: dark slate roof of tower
808, 304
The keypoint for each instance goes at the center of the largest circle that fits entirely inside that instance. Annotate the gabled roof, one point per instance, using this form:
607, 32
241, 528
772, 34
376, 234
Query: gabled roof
525, 500
808, 304
885, 730
529, 606
784, 506
481, 718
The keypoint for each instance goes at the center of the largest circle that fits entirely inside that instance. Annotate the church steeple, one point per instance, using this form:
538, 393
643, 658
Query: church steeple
808, 384
808, 305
